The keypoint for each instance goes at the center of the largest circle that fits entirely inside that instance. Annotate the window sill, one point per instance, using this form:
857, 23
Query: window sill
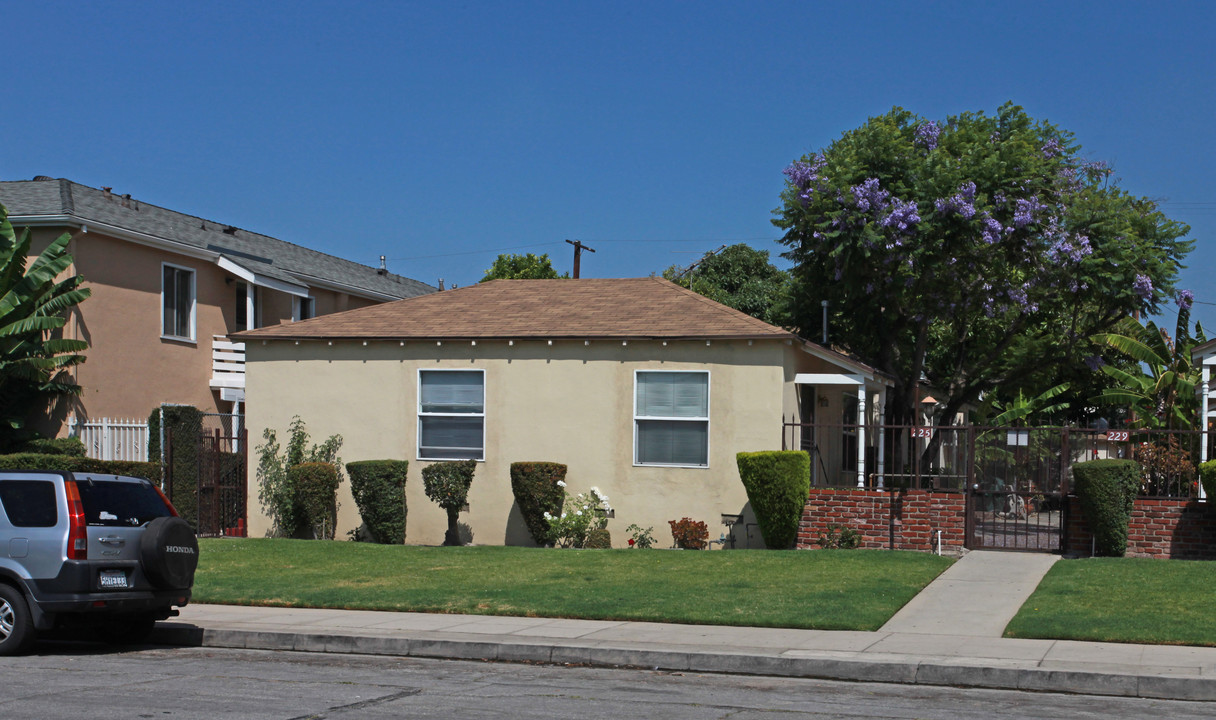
182, 340
666, 465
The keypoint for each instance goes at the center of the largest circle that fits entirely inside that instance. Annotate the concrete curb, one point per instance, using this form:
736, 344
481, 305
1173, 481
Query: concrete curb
972, 673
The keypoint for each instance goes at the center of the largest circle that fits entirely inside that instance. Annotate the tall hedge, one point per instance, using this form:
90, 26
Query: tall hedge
777, 484
185, 424
447, 484
379, 490
316, 492
1107, 491
536, 490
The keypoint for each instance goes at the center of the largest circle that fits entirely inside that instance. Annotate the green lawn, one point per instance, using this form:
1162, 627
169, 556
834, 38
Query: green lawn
1167, 602
829, 590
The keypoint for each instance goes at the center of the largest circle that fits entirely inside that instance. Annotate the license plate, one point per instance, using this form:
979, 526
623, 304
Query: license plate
113, 579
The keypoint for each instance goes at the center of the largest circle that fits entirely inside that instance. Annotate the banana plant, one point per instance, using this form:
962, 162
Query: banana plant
34, 301
1162, 395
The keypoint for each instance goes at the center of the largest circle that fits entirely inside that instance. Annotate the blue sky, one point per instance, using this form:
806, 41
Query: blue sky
440, 134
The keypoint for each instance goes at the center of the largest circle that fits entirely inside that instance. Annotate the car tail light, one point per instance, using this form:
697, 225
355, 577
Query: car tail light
166, 499
78, 536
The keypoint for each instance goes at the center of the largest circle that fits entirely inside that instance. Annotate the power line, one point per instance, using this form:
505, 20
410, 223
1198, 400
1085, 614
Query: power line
595, 240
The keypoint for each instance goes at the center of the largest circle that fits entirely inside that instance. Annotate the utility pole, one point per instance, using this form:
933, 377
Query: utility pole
579, 247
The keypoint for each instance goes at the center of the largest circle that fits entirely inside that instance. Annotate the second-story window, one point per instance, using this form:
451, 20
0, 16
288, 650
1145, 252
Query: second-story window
177, 302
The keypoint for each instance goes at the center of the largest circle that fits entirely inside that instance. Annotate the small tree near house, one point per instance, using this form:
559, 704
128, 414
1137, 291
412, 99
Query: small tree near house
447, 484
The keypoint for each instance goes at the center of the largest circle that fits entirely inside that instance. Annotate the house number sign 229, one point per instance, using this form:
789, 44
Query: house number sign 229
1118, 435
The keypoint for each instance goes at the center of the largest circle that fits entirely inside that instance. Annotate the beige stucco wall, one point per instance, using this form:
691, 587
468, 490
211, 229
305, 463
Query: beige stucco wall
131, 368
569, 403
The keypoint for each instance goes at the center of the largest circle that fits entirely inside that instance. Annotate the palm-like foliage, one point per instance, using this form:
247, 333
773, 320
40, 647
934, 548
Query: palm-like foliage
1163, 394
34, 363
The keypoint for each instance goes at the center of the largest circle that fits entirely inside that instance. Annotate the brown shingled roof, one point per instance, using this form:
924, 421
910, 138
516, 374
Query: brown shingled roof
584, 308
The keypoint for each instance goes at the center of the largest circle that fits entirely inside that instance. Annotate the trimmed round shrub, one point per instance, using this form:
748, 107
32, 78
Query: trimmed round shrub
1107, 491
536, 490
598, 539
1207, 476
379, 490
447, 485
316, 492
777, 484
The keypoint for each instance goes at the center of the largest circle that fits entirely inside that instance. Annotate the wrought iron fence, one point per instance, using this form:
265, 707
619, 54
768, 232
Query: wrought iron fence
1034, 462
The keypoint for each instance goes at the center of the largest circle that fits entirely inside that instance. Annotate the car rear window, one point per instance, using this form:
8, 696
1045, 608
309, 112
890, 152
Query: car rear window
118, 503
29, 503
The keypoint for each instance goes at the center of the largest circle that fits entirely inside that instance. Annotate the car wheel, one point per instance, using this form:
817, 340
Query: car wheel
127, 629
168, 551
16, 623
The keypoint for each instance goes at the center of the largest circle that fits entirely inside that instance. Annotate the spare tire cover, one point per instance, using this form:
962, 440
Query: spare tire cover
168, 551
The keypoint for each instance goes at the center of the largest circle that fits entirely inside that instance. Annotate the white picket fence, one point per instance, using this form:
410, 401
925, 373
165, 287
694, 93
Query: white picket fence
112, 439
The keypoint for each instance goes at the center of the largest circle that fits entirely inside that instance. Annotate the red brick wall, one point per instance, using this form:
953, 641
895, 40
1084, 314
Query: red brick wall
1179, 529
917, 516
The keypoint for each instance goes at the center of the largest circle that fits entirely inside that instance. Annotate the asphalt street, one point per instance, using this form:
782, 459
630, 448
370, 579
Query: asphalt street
74, 680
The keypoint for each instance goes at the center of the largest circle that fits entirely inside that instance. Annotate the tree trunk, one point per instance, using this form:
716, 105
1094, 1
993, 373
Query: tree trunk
452, 537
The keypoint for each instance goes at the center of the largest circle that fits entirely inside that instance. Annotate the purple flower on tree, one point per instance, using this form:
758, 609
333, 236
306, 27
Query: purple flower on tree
927, 134
903, 215
1143, 286
869, 196
1051, 148
961, 203
992, 230
1026, 210
1186, 298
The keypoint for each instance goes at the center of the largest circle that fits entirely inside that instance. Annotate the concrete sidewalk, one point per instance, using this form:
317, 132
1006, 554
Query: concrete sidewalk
929, 642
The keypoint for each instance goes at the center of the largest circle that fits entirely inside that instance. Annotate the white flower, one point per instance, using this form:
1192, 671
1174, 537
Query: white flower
561, 483
548, 516
578, 512
595, 490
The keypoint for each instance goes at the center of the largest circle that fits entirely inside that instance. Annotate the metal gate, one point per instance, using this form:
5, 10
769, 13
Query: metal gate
221, 484
1017, 499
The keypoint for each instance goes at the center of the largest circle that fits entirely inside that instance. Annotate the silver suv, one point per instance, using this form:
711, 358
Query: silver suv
88, 550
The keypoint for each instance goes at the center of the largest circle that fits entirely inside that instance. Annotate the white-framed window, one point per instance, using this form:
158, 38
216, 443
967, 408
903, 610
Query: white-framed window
303, 308
451, 414
177, 302
671, 418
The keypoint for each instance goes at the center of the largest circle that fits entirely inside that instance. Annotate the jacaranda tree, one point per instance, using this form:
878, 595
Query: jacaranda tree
34, 301
979, 252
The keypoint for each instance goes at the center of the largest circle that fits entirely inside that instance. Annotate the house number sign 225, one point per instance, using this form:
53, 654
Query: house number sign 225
922, 432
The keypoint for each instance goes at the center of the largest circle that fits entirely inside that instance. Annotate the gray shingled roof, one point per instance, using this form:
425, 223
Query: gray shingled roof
260, 254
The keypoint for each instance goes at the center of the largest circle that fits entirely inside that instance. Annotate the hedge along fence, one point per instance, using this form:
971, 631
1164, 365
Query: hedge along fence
72, 463
447, 484
184, 424
777, 484
316, 492
536, 489
379, 490
1107, 491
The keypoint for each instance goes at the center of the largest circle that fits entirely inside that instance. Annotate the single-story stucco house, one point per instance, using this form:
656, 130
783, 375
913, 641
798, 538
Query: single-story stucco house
644, 389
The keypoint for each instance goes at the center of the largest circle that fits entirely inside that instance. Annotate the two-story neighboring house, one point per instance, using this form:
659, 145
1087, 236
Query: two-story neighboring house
167, 288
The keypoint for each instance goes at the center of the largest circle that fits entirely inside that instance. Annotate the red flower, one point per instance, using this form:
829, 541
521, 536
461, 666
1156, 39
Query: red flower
630, 542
